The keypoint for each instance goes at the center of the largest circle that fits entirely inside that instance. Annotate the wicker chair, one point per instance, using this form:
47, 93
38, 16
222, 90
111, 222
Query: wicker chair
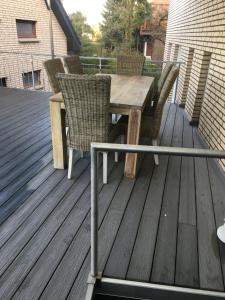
73, 64
165, 72
53, 67
87, 100
150, 125
130, 65
154, 95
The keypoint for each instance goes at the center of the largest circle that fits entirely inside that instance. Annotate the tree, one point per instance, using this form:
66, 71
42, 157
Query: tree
79, 22
85, 34
121, 23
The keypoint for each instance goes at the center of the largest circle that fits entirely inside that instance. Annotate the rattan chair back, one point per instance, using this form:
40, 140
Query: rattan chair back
73, 64
165, 72
53, 67
166, 89
155, 94
130, 65
87, 100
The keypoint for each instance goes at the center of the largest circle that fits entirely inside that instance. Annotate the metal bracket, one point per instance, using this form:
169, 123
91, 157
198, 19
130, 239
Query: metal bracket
92, 282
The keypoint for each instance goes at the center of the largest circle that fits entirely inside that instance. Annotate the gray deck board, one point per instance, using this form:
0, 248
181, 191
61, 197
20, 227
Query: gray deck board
140, 269
210, 273
218, 195
163, 269
187, 247
45, 218
17, 150
71, 263
119, 258
22, 142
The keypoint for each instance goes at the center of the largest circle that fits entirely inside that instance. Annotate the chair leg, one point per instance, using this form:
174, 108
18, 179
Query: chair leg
156, 156
122, 139
70, 164
116, 156
67, 130
105, 162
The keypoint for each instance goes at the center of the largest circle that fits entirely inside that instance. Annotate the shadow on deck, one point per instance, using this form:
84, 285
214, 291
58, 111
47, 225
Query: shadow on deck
159, 228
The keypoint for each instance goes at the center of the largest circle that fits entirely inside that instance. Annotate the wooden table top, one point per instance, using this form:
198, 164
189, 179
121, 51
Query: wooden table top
128, 92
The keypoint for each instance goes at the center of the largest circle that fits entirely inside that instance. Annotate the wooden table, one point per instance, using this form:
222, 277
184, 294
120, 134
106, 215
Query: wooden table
128, 97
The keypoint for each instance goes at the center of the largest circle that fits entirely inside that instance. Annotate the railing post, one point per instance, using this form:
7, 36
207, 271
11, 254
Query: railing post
100, 65
94, 213
32, 71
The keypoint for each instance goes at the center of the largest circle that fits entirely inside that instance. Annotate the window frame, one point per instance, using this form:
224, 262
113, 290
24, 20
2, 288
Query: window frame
3, 82
37, 75
32, 35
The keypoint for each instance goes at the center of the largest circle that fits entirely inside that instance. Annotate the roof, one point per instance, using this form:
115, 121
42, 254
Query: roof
73, 42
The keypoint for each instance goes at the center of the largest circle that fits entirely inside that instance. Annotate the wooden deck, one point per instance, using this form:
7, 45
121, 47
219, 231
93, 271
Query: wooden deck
160, 227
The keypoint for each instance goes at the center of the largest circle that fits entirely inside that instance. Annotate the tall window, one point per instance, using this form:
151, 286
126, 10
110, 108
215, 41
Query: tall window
31, 79
26, 29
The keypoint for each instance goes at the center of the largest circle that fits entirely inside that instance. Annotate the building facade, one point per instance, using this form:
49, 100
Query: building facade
153, 33
30, 32
196, 36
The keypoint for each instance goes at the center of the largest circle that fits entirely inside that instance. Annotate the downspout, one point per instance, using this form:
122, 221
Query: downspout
51, 29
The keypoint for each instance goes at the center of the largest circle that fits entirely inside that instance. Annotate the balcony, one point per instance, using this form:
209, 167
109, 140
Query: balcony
159, 228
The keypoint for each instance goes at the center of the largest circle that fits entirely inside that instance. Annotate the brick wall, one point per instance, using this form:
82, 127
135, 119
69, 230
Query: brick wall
198, 27
12, 66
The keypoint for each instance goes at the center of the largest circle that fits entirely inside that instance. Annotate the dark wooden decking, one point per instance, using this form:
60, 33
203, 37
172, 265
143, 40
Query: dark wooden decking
160, 227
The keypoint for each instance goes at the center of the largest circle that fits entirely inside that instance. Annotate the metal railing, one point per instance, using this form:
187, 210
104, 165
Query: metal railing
25, 70
102, 147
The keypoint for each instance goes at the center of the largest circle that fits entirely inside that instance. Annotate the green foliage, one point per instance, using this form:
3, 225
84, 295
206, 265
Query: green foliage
121, 23
84, 32
79, 22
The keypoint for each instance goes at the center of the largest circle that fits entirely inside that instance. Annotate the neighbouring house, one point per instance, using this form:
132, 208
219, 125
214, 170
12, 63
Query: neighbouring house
32, 31
196, 35
153, 33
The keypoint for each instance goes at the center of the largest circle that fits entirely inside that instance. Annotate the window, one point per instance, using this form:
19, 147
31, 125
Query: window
31, 79
3, 82
26, 29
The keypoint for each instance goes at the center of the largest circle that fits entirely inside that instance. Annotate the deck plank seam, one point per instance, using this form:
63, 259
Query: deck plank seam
77, 232
25, 149
215, 222
149, 183
163, 194
122, 216
8, 184
51, 212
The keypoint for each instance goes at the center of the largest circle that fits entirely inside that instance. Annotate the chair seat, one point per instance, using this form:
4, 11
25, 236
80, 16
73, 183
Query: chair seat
83, 143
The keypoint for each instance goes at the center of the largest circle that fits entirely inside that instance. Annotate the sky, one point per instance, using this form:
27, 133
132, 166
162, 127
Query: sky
92, 9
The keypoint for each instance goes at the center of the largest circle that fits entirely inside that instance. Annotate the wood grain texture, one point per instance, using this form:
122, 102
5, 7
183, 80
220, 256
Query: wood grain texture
133, 135
163, 270
127, 92
130, 91
187, 256
142, 257
118, 261
187, 244
210, 273
58, 135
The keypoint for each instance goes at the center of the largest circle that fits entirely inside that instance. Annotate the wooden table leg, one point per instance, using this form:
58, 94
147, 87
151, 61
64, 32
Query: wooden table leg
133, 134
57, 116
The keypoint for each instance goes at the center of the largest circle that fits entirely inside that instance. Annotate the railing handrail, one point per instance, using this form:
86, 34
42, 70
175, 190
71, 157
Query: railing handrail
100, 63
96, 147
82, 57
162, 150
